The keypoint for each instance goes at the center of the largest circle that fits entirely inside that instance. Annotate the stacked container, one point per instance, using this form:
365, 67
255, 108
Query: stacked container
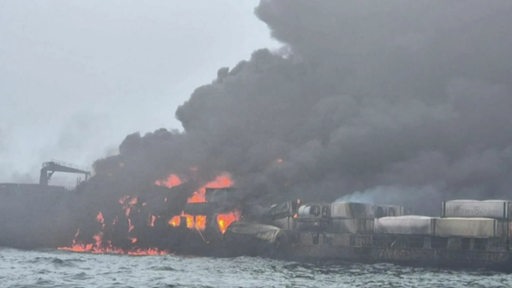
343, 217
475, 219
470, 219
353, 217
406, 225
497, 209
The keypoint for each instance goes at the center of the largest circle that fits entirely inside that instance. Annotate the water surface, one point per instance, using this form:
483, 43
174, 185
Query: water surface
66, 269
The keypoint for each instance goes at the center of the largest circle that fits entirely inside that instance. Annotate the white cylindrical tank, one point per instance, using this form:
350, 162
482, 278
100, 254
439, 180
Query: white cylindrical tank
311, 211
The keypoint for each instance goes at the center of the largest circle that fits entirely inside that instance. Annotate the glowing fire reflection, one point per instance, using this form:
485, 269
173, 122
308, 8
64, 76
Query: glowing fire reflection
107, 248
90, 248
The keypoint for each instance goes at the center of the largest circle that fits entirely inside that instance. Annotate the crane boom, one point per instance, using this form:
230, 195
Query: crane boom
51, 167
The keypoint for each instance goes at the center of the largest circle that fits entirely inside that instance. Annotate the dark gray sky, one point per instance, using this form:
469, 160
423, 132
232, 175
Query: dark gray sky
77, 76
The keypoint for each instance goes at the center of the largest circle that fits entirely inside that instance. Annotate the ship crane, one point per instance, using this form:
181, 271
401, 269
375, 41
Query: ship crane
51, 167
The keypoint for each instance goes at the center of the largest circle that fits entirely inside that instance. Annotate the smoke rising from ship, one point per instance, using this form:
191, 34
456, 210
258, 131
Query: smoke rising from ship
413, 96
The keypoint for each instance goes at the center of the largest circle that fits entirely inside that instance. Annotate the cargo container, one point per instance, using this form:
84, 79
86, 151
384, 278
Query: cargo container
352, 210
407, 225
462, 242
351, 226
498, 209
364, 210
468, 227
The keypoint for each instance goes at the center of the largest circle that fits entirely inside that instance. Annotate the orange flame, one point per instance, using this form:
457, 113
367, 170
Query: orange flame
172, 181
197, 222
221, 181
175, 221
190, 220
128, 202
99, 245
226, 219
200, 222
132, 205
123, 199
98, 238
90, 248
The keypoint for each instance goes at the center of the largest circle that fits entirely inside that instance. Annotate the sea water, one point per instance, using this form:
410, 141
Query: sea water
52, 268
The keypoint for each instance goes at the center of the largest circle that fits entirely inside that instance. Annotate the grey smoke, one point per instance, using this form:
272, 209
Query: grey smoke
429, 197
408, 94
118, 68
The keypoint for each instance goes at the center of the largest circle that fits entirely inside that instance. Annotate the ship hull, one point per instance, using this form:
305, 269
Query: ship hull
363, 248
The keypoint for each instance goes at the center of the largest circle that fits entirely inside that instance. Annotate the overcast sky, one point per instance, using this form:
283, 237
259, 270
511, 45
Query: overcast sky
77, 76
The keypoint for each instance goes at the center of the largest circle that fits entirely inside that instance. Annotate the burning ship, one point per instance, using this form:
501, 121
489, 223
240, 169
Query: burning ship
212, 222
156, 222
414, 108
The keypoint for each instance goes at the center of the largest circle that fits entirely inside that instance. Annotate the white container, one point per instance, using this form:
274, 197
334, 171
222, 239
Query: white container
407, 225
352, 210
364, 210
352, 226
390, 210
498, 209
341, 210
467, 227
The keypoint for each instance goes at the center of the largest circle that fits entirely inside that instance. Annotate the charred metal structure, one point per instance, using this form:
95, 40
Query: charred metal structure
469, 234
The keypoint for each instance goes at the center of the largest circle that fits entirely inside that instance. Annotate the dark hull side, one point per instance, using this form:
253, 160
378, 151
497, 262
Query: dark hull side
492, 260
363, 248
35, 216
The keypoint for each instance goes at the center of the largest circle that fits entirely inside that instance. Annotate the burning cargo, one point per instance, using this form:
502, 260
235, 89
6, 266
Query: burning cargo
210, 221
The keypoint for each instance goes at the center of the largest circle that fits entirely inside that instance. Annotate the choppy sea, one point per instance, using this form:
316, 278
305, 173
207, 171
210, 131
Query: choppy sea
52, 268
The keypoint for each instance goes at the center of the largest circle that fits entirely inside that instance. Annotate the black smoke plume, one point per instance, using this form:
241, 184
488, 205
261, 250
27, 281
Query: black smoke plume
412, 99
